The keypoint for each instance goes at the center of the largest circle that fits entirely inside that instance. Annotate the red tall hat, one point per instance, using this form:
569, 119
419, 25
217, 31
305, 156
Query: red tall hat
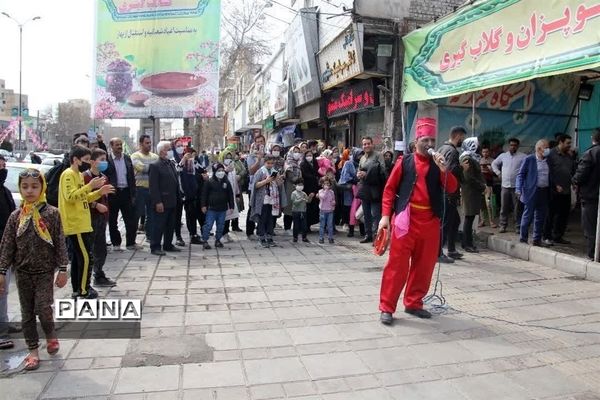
426, 127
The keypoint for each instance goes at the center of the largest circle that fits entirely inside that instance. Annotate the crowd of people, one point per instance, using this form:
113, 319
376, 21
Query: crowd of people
64, 215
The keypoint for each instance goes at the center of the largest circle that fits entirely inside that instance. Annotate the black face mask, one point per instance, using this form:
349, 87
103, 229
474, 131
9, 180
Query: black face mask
3, 175
84, 166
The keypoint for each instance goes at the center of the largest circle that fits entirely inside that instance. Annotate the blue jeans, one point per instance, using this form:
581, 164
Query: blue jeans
144, 207
212, 217
536, 210
326, 219
372, 213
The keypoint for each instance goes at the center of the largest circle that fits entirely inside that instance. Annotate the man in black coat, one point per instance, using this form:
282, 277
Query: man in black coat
451, 222
164, 195
587, 179
121, 175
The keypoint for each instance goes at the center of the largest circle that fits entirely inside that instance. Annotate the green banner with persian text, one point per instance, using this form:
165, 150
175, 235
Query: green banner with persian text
498, 42
157, 58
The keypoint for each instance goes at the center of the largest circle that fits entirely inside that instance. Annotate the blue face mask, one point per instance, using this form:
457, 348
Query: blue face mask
102, 166
546, 152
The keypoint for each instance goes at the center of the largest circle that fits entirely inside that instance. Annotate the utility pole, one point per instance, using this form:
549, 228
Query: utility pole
21, 25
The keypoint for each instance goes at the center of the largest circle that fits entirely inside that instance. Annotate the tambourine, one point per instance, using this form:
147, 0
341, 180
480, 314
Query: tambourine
381, 242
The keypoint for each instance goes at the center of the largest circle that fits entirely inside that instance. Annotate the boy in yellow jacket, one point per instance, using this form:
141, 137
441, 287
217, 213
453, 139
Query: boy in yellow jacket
74, 198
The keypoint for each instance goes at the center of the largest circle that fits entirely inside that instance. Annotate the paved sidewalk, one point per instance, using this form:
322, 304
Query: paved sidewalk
301, 321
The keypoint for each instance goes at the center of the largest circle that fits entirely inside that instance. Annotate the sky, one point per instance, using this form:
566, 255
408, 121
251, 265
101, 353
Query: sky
58, 49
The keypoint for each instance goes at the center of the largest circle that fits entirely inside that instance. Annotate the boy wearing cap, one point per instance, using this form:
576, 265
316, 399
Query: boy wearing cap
416, 187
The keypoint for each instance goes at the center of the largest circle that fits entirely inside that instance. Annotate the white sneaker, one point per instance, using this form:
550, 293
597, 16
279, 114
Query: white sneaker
117, 248
548, 242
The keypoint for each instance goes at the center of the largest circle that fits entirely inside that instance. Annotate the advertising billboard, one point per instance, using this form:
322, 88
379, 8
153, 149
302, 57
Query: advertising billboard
157, 58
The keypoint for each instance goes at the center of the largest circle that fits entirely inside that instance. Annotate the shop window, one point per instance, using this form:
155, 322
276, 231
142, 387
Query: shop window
378, 52
370, 123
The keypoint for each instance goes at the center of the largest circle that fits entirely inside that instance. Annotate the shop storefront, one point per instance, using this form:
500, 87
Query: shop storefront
354, 112
504, 69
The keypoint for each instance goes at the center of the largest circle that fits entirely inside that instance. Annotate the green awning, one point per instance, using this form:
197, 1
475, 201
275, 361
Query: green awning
497, 42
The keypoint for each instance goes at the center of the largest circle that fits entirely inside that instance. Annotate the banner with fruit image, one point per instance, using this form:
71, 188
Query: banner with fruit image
157, 58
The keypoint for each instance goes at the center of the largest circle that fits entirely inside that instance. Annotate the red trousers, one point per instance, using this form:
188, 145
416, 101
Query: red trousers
411, 262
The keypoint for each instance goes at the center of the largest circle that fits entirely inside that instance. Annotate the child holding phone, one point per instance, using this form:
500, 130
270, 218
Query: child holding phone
266, 201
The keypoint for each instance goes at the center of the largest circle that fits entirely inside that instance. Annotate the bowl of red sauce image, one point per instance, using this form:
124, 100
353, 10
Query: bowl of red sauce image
172, 83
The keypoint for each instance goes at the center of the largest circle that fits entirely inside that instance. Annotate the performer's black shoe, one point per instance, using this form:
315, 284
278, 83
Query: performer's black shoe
386, 318
471, 249
367, 239
444, 259
418, 312
455, 254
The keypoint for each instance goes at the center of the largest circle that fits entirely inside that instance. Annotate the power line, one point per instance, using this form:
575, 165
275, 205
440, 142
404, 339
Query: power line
277, 18
312, 12
302, 14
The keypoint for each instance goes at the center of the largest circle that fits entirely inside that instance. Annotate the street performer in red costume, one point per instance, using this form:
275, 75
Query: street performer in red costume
413, 200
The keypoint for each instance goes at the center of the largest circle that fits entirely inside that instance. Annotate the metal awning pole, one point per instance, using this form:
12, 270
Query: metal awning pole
597, 249
473, 116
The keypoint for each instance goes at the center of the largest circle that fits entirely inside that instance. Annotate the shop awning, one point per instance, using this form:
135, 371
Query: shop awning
286, 135
498, 42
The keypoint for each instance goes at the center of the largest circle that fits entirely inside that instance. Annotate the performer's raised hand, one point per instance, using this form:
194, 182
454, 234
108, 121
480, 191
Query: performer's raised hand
439, 161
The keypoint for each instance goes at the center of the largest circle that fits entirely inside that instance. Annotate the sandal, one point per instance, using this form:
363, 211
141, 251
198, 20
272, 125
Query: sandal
494, 226
52, 346
31, 363
6, 344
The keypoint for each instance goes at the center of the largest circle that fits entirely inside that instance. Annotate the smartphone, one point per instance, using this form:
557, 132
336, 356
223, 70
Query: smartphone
274, 174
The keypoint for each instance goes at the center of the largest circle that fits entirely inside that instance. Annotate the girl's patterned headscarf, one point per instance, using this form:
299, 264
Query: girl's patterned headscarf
31, 211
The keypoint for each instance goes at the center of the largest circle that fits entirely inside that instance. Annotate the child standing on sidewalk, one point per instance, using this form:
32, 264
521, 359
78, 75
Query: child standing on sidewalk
265, 200
74, 198
99, 218
34, 245
217, 200
299, 200
327, 207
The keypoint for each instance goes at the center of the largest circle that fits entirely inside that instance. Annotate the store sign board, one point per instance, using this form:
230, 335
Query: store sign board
301, 45
283, 102
341, 60
157, 58
351, 99
491, 43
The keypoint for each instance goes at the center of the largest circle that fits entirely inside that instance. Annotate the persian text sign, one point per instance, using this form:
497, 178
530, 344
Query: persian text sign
351, 99
157, 58
341, 59
497, 42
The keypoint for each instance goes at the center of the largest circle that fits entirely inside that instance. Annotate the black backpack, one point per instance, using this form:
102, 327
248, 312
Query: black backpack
53, 182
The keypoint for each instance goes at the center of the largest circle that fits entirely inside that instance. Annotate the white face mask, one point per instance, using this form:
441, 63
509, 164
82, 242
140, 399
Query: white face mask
299, 188
227, 161
220, 174
309, 158
170, 154
275, 153
179, 149
297, 156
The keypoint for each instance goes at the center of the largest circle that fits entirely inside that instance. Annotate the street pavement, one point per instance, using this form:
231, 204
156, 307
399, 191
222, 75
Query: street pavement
301, 321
